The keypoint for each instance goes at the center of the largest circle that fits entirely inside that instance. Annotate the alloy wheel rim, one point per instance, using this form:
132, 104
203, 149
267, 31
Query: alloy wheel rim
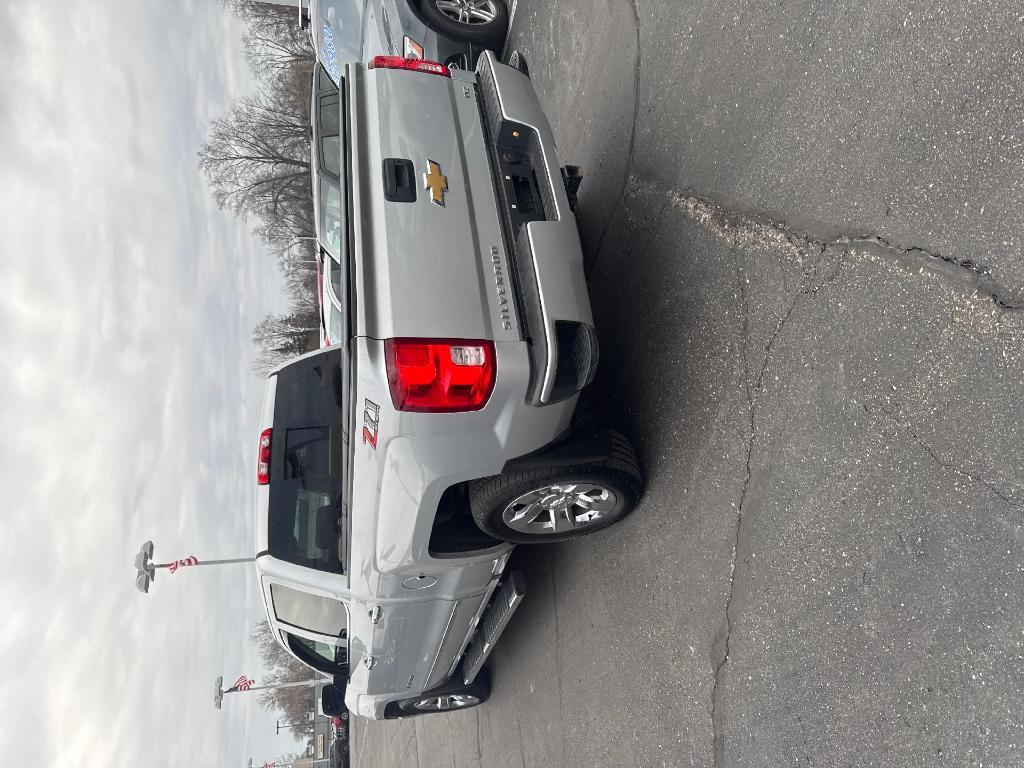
560, 509
446, 702
469, 11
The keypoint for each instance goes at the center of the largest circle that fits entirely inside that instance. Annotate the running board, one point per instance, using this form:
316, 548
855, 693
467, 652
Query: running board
493, 624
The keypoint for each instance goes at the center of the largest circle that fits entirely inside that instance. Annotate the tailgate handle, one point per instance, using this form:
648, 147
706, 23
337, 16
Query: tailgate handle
399, 180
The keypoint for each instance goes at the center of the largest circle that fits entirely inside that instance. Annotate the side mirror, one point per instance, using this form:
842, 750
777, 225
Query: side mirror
332, 700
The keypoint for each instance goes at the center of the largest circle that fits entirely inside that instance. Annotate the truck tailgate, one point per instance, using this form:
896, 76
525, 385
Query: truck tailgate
436, 265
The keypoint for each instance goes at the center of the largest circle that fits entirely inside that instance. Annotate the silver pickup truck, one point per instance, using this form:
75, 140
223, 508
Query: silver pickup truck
399, 467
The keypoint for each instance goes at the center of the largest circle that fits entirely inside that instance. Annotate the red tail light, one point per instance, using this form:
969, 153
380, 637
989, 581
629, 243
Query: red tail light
440, 376
415, 65
263, 468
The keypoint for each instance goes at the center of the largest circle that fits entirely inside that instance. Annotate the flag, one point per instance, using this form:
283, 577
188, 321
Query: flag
243, 683
190, 560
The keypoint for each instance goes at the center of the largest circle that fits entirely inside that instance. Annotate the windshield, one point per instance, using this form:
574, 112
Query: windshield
306, 523
338, 30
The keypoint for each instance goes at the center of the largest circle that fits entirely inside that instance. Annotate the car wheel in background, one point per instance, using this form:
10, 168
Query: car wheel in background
478, 22
537, 506
516, 60
450, 697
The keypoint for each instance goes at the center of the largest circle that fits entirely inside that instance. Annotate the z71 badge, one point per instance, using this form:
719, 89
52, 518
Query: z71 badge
371, 419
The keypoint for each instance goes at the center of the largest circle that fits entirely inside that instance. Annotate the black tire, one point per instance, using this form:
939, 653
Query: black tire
516, 60
483, 35
618, 476
478, 691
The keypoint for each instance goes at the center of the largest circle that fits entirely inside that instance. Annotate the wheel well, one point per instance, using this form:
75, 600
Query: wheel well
416, 7
454, 533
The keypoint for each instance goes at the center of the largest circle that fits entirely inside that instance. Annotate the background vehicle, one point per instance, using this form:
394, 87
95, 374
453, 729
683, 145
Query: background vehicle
398, 468
453, 32
325, 173
331, 307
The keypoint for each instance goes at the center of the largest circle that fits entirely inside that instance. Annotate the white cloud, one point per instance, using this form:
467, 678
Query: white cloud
129, 405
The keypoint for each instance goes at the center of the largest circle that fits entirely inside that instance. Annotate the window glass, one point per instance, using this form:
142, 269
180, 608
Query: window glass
331, 224
329, 114
305, 526
323, 615
337, 333
330, 659
324, 82
307, 461
334, 275
330, 154
307, 451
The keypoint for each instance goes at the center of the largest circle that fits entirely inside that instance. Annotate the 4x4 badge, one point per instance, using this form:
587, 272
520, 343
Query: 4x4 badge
435, 181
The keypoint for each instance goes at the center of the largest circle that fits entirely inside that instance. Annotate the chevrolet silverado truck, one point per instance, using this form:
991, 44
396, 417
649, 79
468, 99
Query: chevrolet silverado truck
398, 468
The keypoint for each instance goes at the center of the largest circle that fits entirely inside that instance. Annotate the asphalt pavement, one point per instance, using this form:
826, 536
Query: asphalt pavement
805, 223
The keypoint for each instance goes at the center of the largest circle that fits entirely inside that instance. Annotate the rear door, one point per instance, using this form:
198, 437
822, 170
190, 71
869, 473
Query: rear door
415, 642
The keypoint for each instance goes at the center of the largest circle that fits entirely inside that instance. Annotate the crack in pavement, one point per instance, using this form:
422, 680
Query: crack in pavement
974, 477
722, 641
742, 230
479, 738
558, 667
720, 645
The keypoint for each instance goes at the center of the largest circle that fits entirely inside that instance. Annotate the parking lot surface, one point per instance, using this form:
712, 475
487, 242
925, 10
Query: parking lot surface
805, 226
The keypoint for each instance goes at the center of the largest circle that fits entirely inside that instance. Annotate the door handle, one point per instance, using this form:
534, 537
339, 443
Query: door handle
375, 614
370, 662
399, 180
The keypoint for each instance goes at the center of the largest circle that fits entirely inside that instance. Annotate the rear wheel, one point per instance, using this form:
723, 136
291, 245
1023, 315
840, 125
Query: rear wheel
559, 503
477, 22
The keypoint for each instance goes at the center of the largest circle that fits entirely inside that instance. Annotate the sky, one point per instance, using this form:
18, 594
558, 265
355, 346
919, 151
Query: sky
126, 395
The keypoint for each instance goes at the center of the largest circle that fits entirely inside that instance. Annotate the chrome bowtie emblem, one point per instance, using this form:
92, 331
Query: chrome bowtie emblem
436, 182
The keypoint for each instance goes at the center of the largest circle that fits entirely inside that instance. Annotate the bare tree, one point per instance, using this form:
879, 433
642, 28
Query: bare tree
257, 157
279, 338
274, 42
257, 161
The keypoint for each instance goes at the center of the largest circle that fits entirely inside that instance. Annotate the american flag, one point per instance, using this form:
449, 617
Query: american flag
243, 683
190, 560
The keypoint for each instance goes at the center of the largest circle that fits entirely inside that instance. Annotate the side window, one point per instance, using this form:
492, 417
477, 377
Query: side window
330, 659
313, 613
332, 227
329, 115
335, 277
330, 154
324, 82
337, 325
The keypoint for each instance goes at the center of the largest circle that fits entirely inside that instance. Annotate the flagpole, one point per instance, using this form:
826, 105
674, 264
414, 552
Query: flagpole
208, 562
298, 684
219, 692
145, 568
